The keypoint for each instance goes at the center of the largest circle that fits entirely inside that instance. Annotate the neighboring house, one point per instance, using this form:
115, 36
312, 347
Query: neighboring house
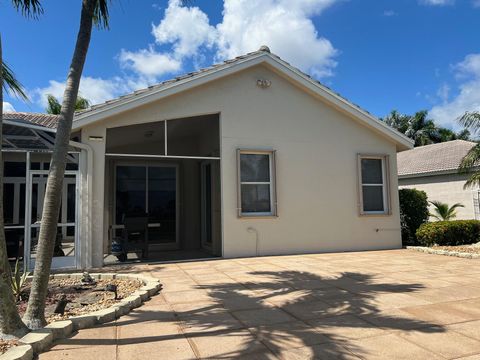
434, 169
249, 157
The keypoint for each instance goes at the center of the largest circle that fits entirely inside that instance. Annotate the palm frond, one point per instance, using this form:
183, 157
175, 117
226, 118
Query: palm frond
28, 8
470, 120
11, 84
443, 212
436, 217
470, 160
451, 214
53, 107
101, 14
81, 103
473, 181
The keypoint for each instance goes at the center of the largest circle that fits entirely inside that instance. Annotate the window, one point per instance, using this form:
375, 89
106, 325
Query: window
256, 183
373, 179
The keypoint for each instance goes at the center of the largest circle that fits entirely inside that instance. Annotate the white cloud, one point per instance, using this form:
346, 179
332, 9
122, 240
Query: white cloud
7, 107
148, 63
285, 26
476, 3
437, 2
96, 90
186, 28
443, 92
389, 13
467, 73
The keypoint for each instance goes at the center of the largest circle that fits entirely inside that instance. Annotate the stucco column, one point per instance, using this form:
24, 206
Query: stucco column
99, 229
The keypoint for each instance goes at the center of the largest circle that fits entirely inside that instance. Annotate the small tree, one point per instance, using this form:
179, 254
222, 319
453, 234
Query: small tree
413, 213
443, 212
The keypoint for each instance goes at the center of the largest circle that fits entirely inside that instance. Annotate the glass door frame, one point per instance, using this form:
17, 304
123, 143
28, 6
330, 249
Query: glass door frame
56, 263
146, 164
203, 201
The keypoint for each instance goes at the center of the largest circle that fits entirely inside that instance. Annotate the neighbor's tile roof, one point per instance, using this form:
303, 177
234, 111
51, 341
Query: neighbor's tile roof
433, 158
46, 120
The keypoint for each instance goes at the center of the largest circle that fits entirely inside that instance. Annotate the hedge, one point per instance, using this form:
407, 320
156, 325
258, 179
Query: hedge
449, 233
413, 213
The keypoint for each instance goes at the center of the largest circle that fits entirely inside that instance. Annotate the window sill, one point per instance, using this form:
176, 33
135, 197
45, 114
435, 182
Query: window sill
250, 217
375, 214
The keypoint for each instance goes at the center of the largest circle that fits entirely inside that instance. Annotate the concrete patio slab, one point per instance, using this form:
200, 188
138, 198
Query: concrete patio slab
390, 347
371, 305
229, 345
449, 345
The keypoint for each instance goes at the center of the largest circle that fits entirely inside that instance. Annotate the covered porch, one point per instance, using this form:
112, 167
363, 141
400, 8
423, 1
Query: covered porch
162, 190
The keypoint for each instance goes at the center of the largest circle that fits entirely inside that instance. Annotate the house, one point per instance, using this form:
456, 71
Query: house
246, 158
434, 169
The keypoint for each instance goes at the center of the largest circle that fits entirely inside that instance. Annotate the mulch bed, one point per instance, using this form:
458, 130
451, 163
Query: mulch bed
81, 298
7, 344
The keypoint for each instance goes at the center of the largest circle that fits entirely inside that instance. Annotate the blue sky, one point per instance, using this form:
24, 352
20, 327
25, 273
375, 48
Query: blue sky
382, 55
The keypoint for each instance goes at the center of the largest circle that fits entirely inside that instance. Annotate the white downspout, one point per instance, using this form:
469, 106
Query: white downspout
86, 218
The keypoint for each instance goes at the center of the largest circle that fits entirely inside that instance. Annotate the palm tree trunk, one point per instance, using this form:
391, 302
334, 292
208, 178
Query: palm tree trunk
35, 314
10, 323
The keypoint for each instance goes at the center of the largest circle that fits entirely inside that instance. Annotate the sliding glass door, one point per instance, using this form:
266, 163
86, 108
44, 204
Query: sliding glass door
149, 190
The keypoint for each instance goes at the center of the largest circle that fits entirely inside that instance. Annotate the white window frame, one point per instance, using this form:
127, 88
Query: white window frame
385, 184
272, 183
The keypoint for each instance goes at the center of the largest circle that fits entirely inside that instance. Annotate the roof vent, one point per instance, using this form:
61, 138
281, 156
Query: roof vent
264, 48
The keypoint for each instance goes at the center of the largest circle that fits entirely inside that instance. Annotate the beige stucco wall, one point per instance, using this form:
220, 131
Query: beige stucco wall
447, 189
317, 149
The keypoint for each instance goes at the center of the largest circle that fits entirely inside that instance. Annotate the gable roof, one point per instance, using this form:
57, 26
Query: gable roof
202, 76
433, 159
43, 120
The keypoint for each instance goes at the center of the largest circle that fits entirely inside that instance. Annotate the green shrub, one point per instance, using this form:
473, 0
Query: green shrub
449, 233
413, 213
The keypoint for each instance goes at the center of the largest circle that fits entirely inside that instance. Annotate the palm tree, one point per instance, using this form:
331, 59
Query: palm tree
11, 324
422, 130
449, 135
92, 12
397, 120
443, 212
417, 127
54, 107
471, 121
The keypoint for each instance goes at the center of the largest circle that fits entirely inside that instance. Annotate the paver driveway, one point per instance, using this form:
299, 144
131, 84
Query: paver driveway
372, 305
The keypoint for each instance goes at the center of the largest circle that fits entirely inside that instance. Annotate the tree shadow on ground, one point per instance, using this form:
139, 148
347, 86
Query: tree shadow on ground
304, 314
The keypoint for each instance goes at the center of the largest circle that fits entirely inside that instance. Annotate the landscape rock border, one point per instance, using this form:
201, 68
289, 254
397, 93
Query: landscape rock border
41, 340
441, 252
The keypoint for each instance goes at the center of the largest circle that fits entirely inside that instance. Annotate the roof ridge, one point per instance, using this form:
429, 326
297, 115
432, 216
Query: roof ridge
423, 147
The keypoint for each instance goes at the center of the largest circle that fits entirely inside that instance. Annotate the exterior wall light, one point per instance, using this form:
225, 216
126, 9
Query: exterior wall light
264, 83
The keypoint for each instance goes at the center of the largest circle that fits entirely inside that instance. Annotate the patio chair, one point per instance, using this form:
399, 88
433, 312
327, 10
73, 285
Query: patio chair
135, 234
